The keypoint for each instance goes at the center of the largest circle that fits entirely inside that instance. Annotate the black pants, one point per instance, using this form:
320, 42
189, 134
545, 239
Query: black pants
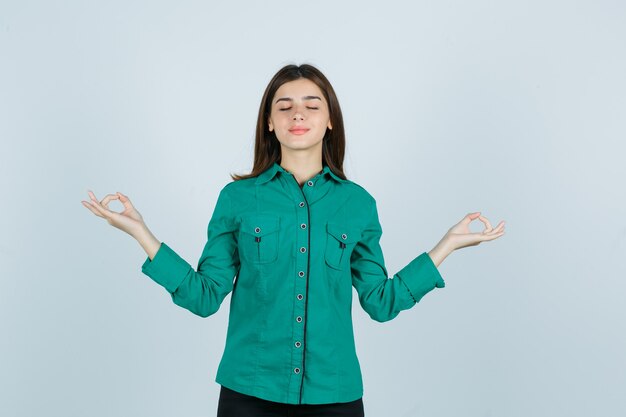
235, 404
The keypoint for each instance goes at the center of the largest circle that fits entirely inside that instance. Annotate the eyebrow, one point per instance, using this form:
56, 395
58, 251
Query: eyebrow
303, 98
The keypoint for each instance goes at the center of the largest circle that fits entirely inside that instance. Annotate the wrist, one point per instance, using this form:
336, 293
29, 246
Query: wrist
141, 232
446, 245
441, 251
148, 241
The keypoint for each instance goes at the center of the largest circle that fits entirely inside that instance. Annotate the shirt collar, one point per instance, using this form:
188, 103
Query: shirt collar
269, 173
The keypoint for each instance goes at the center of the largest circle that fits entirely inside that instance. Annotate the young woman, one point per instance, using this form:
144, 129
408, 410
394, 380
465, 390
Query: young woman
298, 236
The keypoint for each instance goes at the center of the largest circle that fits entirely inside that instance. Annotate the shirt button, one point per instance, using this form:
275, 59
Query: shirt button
310, 183
344, 236
298, 319
297, 370
303, 249
298, 344
301, 204
301, 273
257, 229
300, 297
303, 226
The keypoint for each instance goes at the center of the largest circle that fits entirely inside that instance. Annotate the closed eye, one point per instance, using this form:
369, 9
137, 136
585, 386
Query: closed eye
289, 108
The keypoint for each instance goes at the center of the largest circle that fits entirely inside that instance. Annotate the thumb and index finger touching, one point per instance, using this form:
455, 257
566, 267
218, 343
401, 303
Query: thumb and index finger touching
101, 207
477, 215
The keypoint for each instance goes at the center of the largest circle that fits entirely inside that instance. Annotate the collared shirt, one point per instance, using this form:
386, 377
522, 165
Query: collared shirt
296, 252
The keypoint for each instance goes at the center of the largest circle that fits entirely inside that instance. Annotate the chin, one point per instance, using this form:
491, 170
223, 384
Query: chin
300, 144
297, 146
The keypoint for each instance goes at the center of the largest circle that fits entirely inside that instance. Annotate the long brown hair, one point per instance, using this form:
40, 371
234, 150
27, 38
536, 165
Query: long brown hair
266, 145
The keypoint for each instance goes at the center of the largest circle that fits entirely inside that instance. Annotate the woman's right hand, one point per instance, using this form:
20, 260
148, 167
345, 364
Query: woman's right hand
129, 220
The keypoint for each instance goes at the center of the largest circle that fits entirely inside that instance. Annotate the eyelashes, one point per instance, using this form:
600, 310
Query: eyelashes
289, 108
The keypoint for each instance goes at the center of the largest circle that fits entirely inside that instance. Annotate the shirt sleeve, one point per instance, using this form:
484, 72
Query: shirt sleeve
380, 296
201, 291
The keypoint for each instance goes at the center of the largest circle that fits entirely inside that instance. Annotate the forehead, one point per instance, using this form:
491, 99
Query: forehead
297, 89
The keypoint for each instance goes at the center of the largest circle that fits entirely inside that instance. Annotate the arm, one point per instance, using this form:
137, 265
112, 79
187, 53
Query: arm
381, 297
200, 291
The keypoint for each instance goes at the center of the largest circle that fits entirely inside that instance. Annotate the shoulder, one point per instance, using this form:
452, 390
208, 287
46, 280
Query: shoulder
358, 192
234, 188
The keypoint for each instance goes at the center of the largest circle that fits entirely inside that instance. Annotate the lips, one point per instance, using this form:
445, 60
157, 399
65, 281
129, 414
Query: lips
298, 130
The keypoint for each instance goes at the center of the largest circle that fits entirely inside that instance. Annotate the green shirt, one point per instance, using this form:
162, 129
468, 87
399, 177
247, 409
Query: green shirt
296, 252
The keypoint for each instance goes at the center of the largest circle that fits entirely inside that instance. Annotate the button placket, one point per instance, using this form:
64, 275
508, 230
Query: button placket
301, 284
302, 268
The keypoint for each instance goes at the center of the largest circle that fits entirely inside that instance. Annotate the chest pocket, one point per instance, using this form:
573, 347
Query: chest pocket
258, 238
340, 241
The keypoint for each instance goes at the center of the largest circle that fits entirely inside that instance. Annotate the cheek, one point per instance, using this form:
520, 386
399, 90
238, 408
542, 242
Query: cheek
322, 121
279, 121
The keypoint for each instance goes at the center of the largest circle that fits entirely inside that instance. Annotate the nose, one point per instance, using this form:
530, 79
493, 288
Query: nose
297, 116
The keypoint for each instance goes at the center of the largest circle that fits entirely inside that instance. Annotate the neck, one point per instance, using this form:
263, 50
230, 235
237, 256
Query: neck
302, 169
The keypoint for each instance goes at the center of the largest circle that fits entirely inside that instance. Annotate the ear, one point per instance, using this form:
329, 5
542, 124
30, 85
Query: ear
270, 125
330, 125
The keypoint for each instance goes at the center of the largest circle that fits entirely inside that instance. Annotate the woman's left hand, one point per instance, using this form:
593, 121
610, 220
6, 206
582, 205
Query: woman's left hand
459, 235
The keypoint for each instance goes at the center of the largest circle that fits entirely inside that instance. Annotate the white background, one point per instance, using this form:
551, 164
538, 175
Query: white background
516, 109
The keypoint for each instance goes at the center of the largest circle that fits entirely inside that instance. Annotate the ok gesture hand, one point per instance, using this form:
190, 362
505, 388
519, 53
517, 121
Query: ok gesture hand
129, 220
459, 235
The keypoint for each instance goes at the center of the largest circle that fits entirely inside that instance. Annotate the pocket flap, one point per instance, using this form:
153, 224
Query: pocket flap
260, 224
343, 233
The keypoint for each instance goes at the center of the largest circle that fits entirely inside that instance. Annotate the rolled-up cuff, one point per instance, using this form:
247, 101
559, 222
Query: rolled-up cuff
421, 276
167, 268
